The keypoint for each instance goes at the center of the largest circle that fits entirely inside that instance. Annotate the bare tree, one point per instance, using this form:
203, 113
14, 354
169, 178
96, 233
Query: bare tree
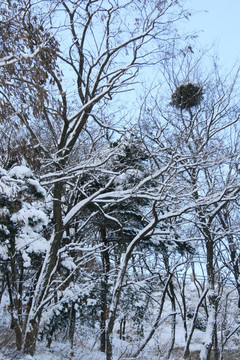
79, 61
195, 129
84, 57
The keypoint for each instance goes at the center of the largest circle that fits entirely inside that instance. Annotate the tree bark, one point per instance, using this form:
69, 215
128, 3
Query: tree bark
211, 325
104, 289
72, 325
171, 294
31, 338
186, 354
45, 276
119, 281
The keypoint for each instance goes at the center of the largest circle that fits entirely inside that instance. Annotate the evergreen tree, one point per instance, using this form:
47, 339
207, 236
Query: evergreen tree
24, 235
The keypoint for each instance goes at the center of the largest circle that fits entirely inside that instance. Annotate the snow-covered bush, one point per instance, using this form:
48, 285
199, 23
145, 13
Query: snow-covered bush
23, 215
24, 239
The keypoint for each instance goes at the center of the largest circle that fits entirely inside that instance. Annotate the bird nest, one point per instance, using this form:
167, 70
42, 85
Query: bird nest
187, 95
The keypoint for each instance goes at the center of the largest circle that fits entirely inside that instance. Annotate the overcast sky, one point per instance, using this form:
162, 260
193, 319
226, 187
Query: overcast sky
220, 25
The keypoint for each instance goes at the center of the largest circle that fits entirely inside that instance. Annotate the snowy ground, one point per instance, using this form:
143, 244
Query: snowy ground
86, 351
86, 344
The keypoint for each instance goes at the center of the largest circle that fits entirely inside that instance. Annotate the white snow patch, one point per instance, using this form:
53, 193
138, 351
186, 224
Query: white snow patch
69, 263
20, 172
37, 186
26, 260
4, 252
3, 172
91, 302
8, 187
31, 217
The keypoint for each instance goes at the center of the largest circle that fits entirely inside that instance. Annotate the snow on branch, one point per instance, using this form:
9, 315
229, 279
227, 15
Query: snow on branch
79, 206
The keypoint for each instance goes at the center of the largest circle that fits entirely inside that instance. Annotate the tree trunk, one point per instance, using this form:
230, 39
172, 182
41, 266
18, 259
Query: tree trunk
122, 328
18, 335
104, 289
173, 322
157, 322
119, 281
31, 338
44, 280
186, 354
103, 317
72, 325
212, 297
211, 326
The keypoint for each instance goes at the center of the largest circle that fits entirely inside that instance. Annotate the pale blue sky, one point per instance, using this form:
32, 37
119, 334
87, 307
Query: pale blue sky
220, 25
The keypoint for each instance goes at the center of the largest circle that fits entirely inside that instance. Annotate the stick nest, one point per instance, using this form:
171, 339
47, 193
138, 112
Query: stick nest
187, 95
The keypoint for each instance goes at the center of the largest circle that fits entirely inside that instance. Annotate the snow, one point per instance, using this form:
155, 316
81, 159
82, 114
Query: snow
35, 184
26, 260
81, 204
8, 187
122, 181
21, 210
60, 351
86, 343
18, 176
3, 252
3, 172
29, 239
91, 302
69, 263
4, 212
31, 217
20, 172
